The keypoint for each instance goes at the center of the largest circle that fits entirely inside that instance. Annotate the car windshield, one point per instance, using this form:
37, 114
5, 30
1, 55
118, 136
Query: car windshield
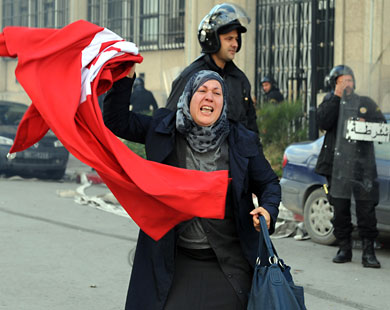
11, 114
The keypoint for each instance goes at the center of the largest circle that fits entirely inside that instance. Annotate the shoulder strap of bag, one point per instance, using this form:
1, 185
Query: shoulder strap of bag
265, 239
273, 257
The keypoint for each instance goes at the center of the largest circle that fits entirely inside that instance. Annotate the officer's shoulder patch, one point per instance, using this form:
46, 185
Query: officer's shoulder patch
363, 110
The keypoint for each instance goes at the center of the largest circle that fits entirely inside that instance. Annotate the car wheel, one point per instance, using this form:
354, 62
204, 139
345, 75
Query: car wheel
318, 213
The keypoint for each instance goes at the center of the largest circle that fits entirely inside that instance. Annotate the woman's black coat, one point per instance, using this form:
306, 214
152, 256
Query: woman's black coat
153, 266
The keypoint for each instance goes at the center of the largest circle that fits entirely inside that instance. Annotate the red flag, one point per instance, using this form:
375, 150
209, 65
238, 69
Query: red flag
63, 71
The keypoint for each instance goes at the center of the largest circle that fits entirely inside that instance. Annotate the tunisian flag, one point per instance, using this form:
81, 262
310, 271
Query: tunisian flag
64, 71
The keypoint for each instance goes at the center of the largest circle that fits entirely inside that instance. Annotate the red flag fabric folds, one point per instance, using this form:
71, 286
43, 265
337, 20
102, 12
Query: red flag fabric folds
64, 71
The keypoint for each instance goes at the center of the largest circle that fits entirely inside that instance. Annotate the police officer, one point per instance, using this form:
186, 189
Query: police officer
219, 35
271, 90
351, 169
142, 100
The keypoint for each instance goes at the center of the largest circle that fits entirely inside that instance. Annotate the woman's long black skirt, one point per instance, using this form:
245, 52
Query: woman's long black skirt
200, 284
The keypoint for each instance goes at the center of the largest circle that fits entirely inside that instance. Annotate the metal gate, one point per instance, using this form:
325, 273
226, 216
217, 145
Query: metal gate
294, 50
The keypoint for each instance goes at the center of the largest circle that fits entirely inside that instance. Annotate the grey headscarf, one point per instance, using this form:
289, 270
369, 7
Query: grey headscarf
201, 139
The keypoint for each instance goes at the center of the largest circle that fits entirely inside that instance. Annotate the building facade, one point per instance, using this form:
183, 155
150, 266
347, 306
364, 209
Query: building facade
164, 30
282, 39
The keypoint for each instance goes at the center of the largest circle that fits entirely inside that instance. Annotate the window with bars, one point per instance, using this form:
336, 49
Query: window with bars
52, 13
48, 13
284, 44
23, 15
116, 21
149, 20
174, 24
8, 13
94, 12
151, 24
116, 15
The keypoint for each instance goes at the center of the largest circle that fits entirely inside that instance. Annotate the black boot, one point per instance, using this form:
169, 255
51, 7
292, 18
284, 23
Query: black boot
344, 254
368, 257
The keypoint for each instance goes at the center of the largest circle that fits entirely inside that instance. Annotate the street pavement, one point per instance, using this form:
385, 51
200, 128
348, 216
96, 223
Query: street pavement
330, 286
58, 254
66, 245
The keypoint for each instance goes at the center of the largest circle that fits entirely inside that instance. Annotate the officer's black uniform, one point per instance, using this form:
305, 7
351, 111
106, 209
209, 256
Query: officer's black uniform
327, 119
274, 95
142, 99
222, 19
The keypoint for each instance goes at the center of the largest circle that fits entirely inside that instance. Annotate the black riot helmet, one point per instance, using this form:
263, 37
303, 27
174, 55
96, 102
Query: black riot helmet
139, 83
336, 72
222, 19
270, 80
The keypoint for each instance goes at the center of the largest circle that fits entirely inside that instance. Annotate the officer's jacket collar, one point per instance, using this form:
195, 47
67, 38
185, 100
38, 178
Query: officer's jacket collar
229, 66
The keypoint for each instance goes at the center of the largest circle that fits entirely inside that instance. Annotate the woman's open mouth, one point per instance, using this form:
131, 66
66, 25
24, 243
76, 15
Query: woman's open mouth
207, 109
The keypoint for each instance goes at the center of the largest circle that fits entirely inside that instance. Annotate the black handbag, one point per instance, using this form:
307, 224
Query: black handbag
272, 286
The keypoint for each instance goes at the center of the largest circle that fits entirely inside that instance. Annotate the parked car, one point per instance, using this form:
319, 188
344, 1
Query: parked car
46, 159
303, 192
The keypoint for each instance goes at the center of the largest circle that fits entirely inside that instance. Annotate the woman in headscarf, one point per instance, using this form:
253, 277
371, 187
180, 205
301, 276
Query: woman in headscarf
201, 263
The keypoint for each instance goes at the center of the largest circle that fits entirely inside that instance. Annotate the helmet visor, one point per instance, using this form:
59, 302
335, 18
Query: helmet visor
223, 14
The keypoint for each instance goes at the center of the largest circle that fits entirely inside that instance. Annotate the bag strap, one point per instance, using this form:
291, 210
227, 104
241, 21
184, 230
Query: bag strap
265, 239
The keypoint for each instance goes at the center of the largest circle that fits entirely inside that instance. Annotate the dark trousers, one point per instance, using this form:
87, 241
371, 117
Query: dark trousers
365, 214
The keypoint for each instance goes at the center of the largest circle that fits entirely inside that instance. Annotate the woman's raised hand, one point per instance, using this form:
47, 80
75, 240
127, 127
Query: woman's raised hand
131, 72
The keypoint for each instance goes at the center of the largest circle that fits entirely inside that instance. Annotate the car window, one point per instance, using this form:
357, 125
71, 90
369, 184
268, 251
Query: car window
382, 151
11, 114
